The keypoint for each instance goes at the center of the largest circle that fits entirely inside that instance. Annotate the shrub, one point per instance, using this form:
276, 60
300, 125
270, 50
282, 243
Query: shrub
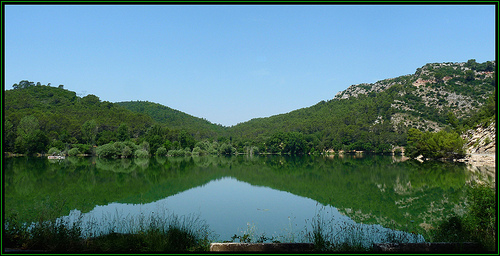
83, 148
54, 151
107, 150
73, 152
161, 151
127, 151
198, 151
176, 152
141, 153
131, 145
227, 149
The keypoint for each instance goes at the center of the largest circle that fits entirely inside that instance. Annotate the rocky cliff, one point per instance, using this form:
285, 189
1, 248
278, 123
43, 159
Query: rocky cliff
481, 145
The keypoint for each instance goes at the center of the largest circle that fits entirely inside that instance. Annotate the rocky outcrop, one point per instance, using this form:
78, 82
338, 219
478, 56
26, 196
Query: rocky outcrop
436, 88
481, 140
481, 145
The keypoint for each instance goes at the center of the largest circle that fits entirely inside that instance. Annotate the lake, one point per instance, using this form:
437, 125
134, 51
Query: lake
275, 196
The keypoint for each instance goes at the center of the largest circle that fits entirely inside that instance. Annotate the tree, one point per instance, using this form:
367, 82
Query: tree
30, 138
27, 125
439, 77
452, 120
9, 136
469, 75
123, 132
186, 140
23, 84
89, 131
435, 145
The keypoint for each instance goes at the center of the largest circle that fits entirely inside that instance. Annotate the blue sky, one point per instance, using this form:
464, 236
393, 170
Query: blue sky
231, 63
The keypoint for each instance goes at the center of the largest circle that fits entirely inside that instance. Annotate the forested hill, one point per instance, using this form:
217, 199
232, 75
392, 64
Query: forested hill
377, 116
39, 117
174, 119
372, 117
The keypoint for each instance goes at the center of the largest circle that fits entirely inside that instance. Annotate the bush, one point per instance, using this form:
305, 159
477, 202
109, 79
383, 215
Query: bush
127, 151
73, 152
176, 152
54, 151
83, 148
435, 145
161, 151
107, 150
131, 145
197, 151
141, 153
227, 149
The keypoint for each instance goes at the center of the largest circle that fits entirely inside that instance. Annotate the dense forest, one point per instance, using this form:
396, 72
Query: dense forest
437, 103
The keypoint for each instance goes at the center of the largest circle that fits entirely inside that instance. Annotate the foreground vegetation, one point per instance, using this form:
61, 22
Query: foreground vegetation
177, 234
155, 234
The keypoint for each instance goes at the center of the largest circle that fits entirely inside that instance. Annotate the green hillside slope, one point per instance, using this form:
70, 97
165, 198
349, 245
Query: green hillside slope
376, 116
174, 119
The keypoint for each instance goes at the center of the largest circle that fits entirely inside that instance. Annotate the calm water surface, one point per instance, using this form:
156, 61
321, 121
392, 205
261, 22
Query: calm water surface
273, 195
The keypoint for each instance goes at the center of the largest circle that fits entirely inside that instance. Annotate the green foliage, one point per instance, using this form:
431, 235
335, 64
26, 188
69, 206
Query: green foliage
362, 123
163, 234
478, 224
141, 153
177, 152
292, 143
161, 151
481, 217
54, 151
122, 149
73, 152
435, 145
83, 148
89, 131
123, 133
174, 119
227, 149
107, 150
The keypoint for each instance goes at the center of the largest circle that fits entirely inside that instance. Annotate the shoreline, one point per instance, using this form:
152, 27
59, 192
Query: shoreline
483, 159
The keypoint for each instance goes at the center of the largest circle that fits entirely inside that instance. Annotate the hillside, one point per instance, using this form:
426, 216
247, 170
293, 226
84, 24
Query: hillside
371, 117
460, 88
39, 117
376, 116
174, 119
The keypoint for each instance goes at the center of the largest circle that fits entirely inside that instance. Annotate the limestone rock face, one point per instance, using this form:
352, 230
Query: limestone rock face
481, 140
481, 146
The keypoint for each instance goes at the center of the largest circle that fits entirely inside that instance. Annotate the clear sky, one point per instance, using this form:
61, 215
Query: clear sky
231, 63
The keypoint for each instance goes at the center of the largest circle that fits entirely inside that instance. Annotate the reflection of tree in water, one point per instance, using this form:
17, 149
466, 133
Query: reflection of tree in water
115, 165
143, 163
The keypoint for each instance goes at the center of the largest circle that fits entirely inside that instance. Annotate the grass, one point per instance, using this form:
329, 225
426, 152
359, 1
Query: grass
154, 234
327, 235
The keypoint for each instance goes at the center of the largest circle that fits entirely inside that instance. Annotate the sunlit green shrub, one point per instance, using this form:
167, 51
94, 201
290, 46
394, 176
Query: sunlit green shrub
126, 151
161, 151
73, 152
107, 150
141, 153
54, 151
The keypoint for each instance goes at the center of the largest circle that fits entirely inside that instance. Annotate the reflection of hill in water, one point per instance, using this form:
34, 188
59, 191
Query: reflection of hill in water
369, 190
